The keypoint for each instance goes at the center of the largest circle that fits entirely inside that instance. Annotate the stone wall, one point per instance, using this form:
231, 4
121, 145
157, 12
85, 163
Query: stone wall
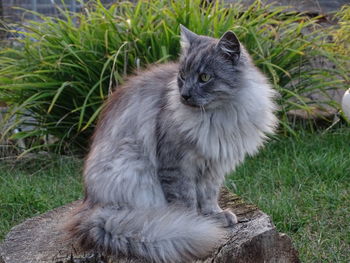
310, 6
47, 6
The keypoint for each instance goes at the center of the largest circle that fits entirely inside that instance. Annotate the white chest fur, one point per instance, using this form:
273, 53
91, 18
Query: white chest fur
227, 134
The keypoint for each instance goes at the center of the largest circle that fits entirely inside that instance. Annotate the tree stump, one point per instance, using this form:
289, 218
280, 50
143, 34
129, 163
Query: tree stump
254, 239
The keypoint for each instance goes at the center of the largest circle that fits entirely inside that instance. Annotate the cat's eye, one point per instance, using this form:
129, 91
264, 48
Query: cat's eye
204, 77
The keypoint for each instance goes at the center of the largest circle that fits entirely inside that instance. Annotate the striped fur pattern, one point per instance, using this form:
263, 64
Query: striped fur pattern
162, 147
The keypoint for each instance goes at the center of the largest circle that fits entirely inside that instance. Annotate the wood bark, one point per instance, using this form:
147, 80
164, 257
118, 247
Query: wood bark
253, 240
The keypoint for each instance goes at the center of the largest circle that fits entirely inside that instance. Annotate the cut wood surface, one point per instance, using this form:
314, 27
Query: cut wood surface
254, 239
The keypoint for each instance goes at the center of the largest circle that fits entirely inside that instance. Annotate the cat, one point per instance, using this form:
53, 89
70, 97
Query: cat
162, 146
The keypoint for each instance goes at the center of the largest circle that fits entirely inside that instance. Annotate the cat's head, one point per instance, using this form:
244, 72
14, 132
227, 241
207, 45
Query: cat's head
209, 69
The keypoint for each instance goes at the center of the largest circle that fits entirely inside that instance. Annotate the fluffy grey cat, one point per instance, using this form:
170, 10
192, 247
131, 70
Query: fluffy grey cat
162, 147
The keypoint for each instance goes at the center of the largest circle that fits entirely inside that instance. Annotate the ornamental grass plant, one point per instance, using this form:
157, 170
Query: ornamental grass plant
57, 74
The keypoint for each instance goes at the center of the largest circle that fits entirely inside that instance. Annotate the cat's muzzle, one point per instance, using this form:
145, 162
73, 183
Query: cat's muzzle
189, 102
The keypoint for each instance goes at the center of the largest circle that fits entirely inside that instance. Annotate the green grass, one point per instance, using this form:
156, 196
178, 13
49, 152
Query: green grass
32, 187
304, 184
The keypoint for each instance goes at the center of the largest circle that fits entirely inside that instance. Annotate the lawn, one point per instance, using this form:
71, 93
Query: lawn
304, 184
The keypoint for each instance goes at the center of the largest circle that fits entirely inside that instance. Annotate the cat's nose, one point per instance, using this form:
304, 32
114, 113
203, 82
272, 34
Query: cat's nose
185, 96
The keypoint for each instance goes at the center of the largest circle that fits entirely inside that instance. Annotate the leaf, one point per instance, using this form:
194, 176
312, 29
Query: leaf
57, 94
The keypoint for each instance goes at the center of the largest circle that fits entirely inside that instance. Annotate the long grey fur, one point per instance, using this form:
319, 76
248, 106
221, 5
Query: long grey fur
162, 147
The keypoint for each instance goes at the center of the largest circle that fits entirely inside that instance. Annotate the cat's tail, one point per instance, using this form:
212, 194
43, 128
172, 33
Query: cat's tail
159, 235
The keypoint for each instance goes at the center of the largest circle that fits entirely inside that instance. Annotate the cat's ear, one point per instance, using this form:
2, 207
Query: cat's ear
187, 37
229, 45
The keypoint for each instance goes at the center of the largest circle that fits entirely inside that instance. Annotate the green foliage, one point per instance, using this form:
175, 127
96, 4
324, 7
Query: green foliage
341, 34
63, 68
31, 187
304, 185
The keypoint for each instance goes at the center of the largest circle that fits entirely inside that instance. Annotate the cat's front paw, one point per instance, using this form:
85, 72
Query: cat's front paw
226, 218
